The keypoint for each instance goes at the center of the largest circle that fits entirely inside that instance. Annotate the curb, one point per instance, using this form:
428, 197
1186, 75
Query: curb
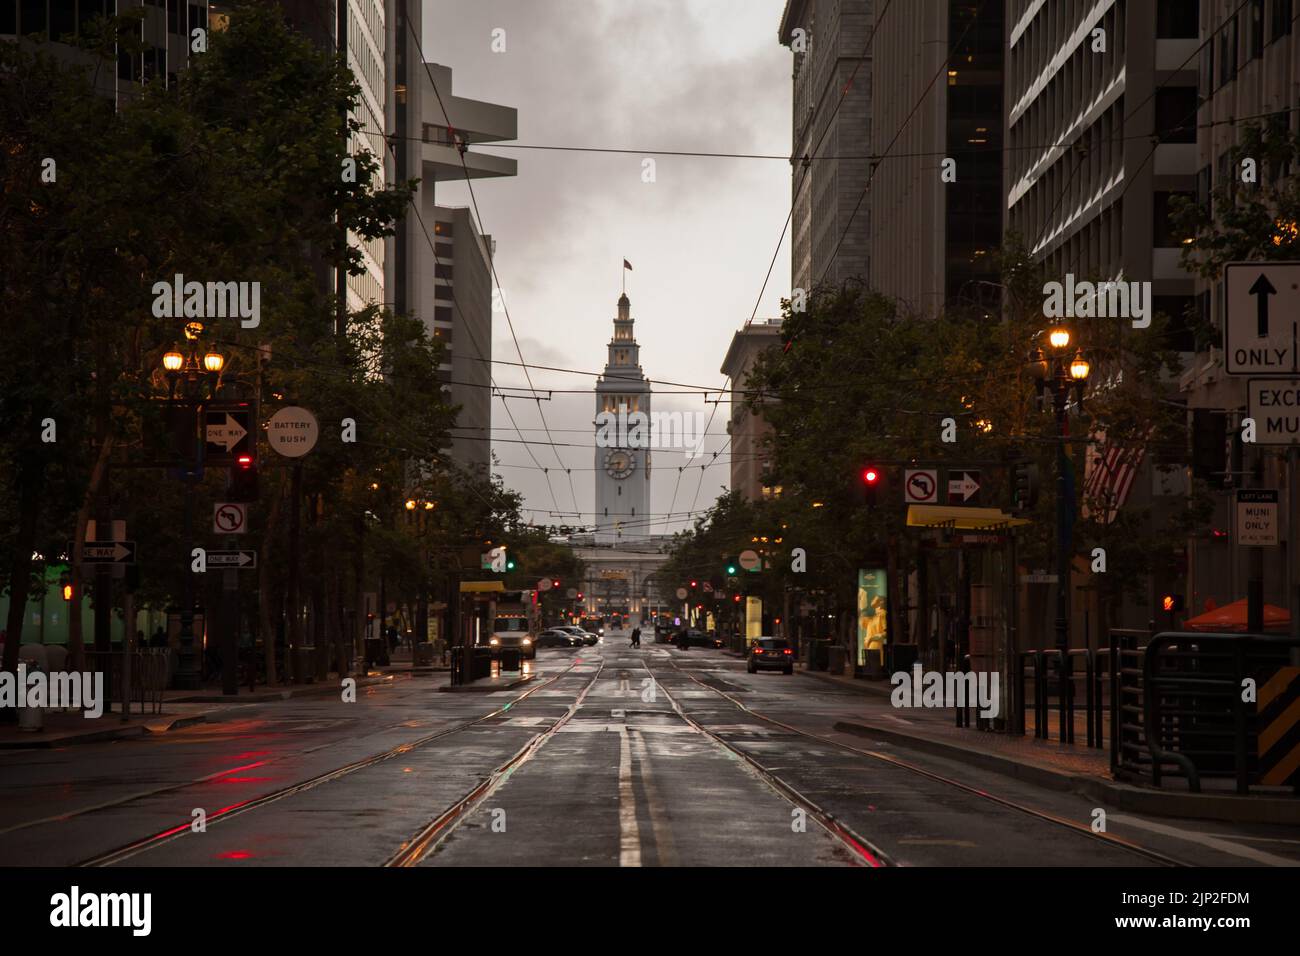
40, 742
297, 690
857, 687
1156, 803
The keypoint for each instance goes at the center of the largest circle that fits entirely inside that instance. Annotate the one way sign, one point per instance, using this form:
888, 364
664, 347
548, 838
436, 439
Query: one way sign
228, 432
232, 559
963, 487
1263, 318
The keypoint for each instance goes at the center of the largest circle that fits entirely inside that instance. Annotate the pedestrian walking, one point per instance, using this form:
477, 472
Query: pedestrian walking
636, 637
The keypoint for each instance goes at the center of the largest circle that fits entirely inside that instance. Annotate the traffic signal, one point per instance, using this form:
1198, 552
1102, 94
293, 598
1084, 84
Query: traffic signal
66, 587
1171, 603
733, 567
1024, 485
694, 584
243, 480
869, 480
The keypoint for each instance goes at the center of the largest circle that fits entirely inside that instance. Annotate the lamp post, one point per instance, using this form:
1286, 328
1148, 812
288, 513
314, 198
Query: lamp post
191, 380
1060, 377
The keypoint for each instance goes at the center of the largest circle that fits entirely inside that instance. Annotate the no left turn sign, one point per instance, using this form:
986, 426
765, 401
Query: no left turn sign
229, 518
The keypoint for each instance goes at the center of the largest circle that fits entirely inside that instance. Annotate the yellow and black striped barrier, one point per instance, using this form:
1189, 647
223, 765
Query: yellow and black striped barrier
1278, 723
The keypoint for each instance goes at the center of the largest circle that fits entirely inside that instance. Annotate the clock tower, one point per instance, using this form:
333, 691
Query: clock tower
622, 438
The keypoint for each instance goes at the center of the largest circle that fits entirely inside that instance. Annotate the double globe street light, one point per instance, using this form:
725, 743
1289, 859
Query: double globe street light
1061, 378
191, 380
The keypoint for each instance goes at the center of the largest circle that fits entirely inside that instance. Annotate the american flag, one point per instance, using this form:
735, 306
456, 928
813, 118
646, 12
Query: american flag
1111, 469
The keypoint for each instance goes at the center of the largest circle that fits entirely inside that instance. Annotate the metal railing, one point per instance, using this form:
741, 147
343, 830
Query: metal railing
147, 673
1046, 675
1181, 701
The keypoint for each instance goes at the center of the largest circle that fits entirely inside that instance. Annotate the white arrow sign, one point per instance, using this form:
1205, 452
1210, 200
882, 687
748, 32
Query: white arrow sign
226, 434
965, 487
1263, 318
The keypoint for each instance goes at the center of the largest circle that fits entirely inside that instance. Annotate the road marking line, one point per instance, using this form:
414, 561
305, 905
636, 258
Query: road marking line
664, 848
1205, 839
629, 850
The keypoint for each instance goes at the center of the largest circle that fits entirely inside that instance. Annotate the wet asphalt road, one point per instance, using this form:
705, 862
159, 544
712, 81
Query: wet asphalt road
608, 771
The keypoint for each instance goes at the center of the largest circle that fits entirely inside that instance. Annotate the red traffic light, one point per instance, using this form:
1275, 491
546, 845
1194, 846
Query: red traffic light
67, 592
693, 584
870, 475
245, 461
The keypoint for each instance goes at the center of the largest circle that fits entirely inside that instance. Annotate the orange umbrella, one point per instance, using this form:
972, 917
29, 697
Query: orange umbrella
1232, 617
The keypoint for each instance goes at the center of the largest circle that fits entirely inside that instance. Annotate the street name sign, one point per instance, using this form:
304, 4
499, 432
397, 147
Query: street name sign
1274, 404
1257, 517
1263, 318
293, 431
921, 486
243, 560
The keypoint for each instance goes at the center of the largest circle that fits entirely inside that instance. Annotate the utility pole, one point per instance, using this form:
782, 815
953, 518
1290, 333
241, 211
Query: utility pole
295, 618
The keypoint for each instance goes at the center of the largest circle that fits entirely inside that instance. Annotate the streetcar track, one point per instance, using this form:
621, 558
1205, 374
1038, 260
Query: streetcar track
433, 834
863, 850
166, 836
1079, 828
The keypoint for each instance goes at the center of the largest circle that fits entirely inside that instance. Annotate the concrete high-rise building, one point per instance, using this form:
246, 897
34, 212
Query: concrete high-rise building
1101, 109
1249, 76
748, 430
936, 197
622, 457
830, 223
439, 267
1101, 134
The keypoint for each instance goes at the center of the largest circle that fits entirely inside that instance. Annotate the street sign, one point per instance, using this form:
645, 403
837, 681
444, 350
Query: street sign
230, 517
708, 588
921, 486
1257, 517
963, 487
1274, 404
749, 560
228, 433
107, 552
293, 431
243, 560
681, 594
1263, 318
571, 594
544, 584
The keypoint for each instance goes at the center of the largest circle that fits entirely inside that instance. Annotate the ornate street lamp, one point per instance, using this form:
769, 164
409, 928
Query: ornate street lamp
195, 383
1060, 378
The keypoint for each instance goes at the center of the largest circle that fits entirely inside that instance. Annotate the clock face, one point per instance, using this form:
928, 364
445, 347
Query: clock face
619, 464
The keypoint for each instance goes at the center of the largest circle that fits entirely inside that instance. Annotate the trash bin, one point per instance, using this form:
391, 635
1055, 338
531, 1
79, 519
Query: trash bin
818, 659
423, 655
900, 657
836, 657
32, 719
376, 651
511, 660
482, 664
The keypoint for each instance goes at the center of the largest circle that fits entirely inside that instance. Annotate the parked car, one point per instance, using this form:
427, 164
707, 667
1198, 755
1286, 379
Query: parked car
770, 653
586, 637
554, 637
694, 637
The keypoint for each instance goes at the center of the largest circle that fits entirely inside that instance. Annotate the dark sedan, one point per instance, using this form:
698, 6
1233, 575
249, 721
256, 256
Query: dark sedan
558, 638
770, 654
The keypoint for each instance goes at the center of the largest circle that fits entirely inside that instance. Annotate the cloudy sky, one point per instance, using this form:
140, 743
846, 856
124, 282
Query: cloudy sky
644, 75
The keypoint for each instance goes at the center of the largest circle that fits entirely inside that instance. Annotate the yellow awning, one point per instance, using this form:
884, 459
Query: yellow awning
481, 586
961, 518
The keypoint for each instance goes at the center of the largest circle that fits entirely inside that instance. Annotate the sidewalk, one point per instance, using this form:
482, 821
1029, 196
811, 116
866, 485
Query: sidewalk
180, 708
1048, 763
